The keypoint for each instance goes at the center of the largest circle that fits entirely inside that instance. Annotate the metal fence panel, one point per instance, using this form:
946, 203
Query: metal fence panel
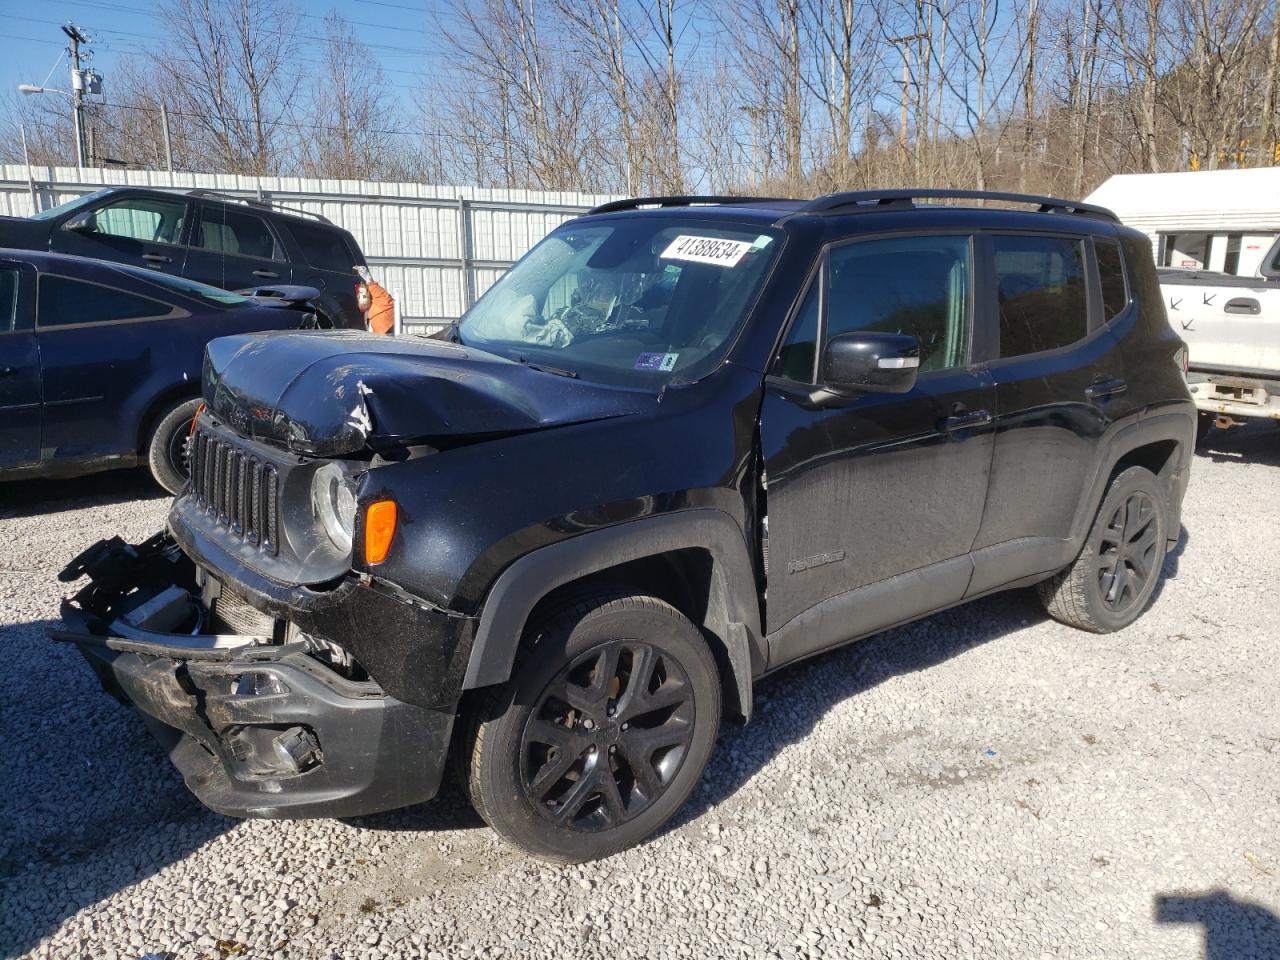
435, 248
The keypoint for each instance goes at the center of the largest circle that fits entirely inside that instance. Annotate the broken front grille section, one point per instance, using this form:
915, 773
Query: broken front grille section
238, 490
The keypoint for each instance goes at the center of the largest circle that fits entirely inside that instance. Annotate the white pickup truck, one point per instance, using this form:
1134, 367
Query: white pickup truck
1232, 328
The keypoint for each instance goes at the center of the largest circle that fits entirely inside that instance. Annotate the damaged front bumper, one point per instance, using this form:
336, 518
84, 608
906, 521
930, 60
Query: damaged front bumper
259, 726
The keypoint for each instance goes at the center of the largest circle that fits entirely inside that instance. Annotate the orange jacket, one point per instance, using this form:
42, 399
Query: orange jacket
382, 312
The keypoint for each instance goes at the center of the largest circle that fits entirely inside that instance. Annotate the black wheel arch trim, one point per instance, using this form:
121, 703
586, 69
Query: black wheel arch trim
1177, 425
733, 612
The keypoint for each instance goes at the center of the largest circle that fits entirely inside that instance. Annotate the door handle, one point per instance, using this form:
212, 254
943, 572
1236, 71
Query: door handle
157, 258
7, 371
268, 274
1245, 305
965, 421
1105, 388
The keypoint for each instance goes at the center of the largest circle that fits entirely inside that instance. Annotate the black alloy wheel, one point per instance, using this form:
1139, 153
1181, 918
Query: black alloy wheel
602, 732
1130, 552
607, 736
1120, 564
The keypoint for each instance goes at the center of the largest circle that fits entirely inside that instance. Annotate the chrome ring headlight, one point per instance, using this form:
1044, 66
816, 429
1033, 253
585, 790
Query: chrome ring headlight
333, 501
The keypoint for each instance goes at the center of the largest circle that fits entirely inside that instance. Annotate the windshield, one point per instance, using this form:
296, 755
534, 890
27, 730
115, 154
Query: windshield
635, 302
189, 288
73, 204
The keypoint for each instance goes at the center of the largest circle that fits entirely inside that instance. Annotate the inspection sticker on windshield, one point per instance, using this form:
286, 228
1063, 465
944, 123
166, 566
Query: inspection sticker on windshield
713, 250
657, 361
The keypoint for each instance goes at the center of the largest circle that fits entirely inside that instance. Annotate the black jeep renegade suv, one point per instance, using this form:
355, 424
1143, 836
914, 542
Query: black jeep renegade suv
683, 442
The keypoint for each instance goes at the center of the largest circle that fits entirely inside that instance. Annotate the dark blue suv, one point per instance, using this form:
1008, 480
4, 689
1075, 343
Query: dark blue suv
100, 362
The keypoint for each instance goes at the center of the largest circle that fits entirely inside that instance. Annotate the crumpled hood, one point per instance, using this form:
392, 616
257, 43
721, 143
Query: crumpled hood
337, 392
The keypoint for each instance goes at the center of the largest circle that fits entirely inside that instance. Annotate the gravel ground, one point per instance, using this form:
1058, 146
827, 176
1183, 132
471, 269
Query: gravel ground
986, 783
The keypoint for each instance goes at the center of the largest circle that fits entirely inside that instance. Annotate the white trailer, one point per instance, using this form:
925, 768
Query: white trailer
1216, 239
1223, 221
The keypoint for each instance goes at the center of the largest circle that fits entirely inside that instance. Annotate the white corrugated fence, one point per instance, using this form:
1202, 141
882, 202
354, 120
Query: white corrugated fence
436, 248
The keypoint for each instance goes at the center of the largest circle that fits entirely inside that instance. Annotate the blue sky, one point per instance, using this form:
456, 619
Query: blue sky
400, 32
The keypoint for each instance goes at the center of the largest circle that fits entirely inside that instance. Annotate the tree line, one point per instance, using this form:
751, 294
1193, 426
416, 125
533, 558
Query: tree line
673, 96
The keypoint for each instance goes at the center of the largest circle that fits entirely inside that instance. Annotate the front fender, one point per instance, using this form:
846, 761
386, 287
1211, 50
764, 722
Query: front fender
733, 610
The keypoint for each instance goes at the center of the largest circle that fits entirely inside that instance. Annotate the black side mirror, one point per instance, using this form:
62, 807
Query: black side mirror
82, 223
870, 363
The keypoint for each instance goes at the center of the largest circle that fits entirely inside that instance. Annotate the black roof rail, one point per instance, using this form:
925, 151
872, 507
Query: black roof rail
869, 200
255, 202
634, 203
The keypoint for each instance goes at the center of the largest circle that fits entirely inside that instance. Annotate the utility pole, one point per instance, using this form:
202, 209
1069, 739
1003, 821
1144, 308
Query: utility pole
168, 143
903, 43
77, 89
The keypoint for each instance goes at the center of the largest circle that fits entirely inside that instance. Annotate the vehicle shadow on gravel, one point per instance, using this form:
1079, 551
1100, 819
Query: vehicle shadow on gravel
1257, 442
450, 810
1233, 928
29, 498
94, 805
791, 702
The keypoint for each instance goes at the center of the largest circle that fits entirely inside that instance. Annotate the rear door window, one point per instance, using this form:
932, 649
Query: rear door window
63, 301
232, 232
324, 249
1040, 288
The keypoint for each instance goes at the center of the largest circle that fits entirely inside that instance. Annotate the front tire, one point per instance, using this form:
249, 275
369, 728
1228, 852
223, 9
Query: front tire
602, 732
167, 448
1110, 584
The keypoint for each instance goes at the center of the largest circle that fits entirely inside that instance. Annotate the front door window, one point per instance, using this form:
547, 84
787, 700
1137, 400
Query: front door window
911, 285
147, 219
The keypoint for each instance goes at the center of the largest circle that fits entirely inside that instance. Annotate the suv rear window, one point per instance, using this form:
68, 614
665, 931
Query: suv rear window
1040, 287
324, 249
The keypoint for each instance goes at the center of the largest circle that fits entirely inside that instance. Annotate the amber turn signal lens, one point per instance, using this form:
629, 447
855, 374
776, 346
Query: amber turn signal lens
379, 530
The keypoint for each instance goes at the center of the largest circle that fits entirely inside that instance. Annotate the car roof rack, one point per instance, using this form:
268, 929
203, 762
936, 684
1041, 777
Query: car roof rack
866, 201
635, 203
256, 202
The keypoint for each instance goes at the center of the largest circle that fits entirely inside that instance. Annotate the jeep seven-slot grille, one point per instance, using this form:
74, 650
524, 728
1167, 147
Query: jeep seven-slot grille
238, 490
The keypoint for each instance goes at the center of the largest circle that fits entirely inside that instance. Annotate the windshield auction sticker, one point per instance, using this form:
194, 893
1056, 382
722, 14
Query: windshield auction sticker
657, 361
713, 250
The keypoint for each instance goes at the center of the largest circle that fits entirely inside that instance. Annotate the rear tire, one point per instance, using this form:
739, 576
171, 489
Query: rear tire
602, 732
167, 448
1110, 584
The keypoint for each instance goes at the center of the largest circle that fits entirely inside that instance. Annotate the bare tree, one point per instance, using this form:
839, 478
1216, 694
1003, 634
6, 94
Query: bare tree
356, 127
526, 98
1269, 148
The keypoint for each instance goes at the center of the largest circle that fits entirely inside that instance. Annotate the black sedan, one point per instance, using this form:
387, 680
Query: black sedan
100, 362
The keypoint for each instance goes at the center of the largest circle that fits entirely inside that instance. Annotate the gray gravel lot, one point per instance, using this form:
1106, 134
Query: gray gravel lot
986, 783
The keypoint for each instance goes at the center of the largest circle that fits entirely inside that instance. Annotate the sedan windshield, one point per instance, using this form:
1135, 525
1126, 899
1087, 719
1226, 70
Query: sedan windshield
633, 302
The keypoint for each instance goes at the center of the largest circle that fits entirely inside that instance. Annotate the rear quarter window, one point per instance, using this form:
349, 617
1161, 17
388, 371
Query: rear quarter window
325, 248
8, 299
63, 301
1115, 290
